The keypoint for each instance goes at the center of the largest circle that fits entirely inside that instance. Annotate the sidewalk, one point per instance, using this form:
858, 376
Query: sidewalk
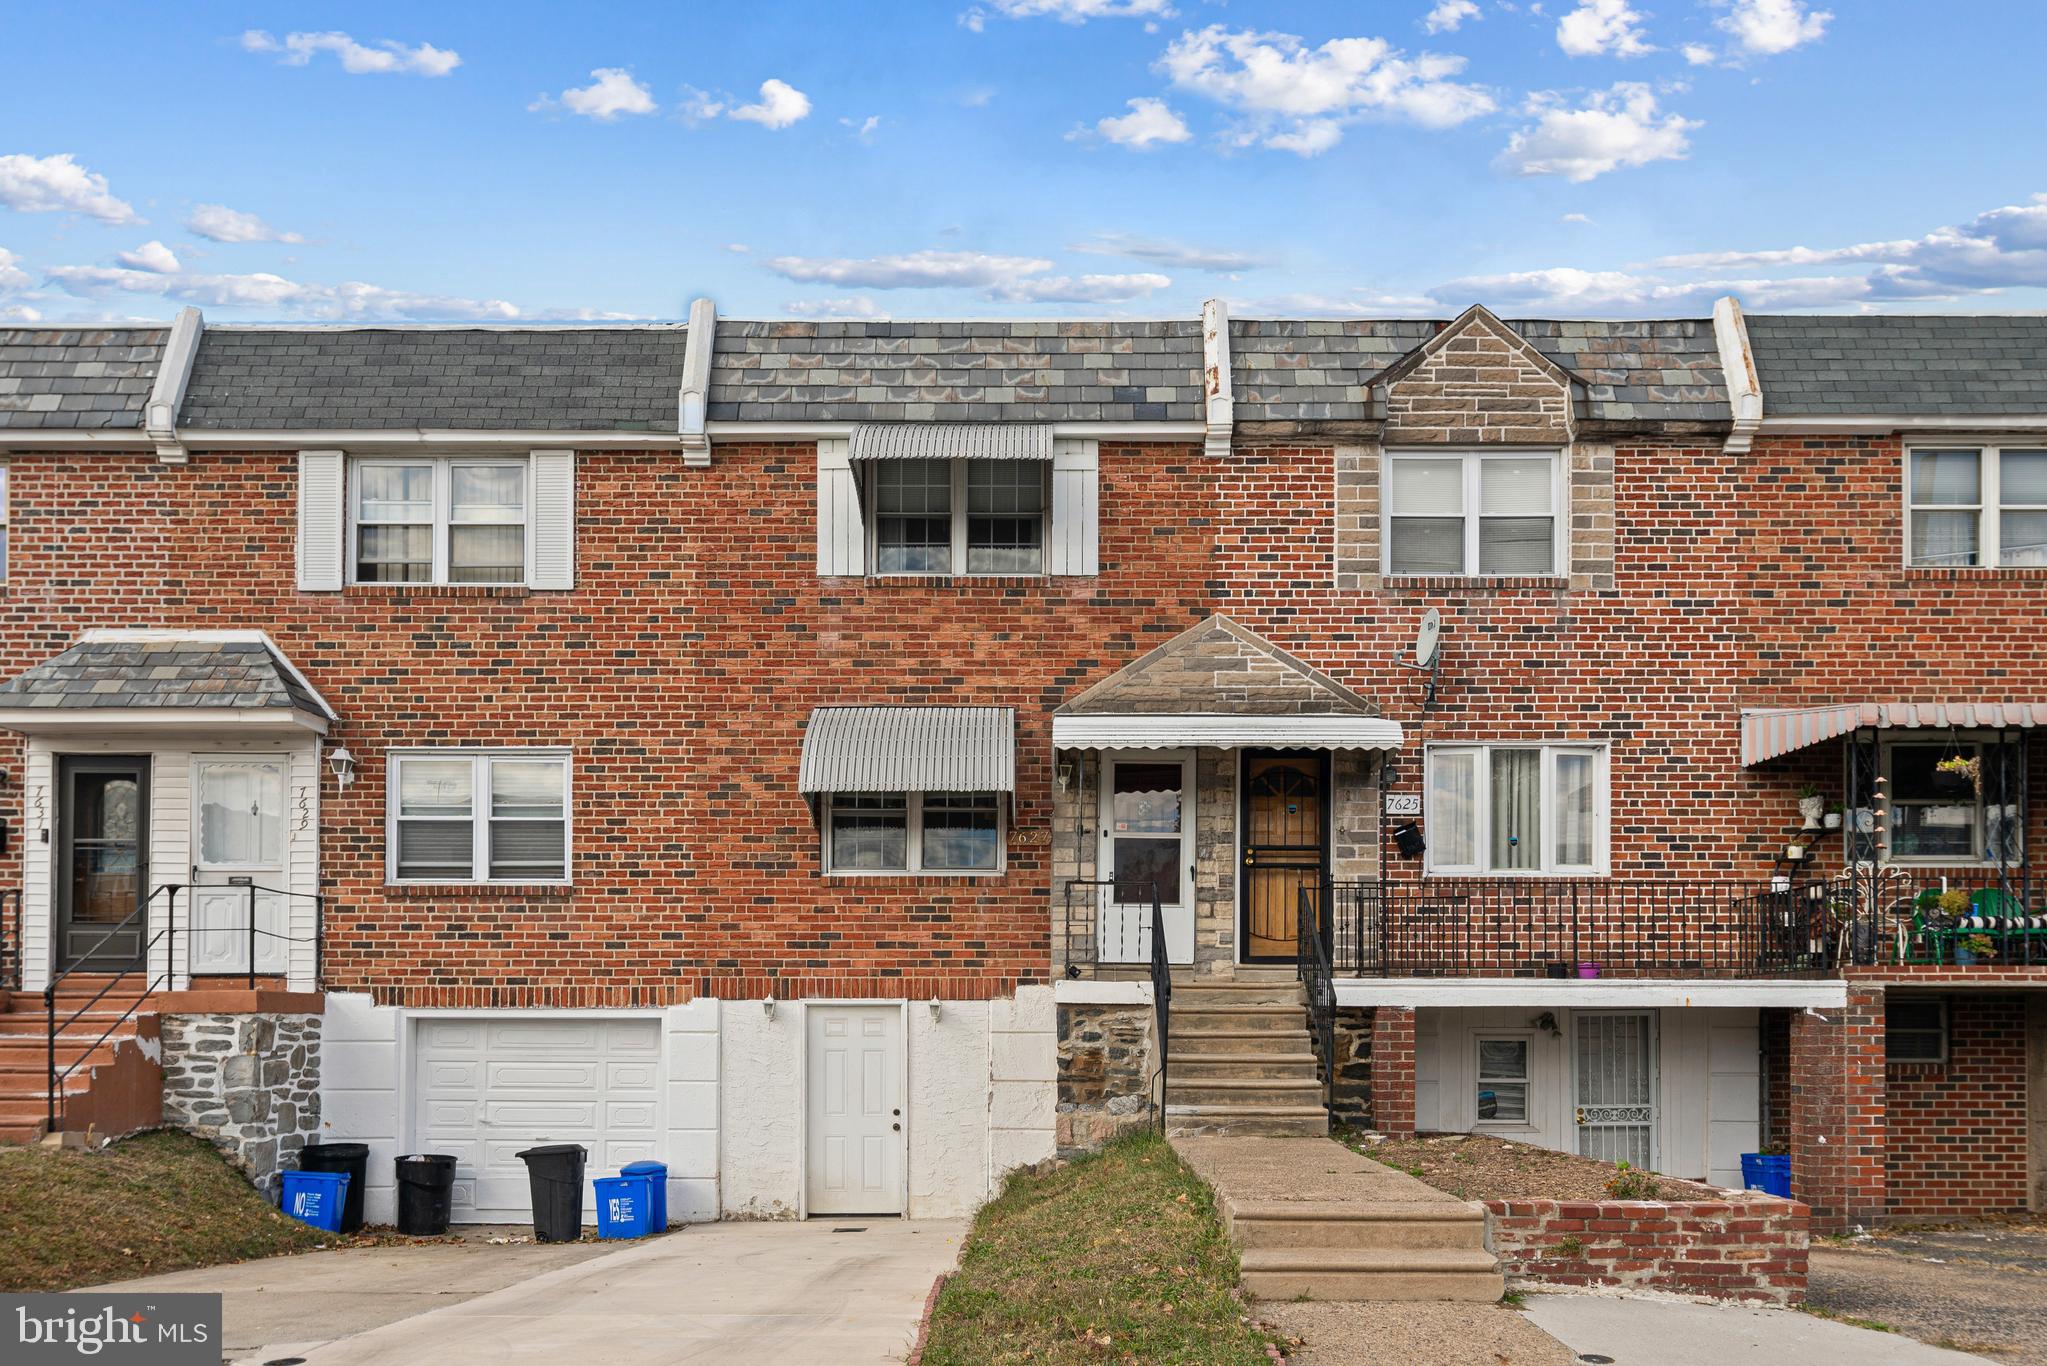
1644, 1332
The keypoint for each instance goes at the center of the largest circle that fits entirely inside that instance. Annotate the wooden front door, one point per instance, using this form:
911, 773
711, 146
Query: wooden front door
1286, 848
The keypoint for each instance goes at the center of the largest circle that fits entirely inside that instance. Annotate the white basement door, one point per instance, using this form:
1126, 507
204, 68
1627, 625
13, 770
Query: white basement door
489, 1087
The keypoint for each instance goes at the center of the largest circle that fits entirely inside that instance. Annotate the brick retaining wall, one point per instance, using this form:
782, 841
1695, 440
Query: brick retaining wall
1742, 1249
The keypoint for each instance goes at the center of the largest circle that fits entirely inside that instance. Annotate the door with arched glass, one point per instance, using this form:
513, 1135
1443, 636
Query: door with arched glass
1285, 838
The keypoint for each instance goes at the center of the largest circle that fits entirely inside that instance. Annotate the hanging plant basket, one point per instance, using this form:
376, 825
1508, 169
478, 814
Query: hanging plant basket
1958, 767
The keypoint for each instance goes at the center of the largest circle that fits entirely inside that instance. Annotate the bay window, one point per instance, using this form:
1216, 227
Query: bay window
958, 516
1516, 809
438, 521
1969, 507
913, 832
1471, 514
498, 816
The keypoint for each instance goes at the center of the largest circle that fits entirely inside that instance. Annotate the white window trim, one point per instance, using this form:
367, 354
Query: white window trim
870, 528
1105, 818
1942, 1030
479, 816
1473, 458
1989, 505
1979, 740
442, 511
913, 840
1526, 1038
1548, 866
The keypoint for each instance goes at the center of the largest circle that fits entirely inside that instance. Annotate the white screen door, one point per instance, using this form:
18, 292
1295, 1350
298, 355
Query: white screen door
238, 837
1147, 847
856, 1109
1616, 1064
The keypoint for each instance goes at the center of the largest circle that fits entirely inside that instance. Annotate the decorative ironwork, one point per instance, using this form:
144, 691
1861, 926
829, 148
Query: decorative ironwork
1161, 998
1317, 978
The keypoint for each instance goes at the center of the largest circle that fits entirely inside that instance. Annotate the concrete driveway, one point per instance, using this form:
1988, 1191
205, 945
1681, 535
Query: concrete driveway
1980, 1287
1646, 1332
843, 1290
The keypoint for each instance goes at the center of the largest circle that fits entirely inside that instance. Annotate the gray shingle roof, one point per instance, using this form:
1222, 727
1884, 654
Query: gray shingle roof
1886, 365
162, 673
561, 379
1667, 369
77, 377
1303, 371
957, 371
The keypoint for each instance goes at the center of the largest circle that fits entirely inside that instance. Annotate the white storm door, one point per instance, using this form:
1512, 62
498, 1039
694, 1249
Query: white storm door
1147, 849
1616, 1067
238, 856
855, 1061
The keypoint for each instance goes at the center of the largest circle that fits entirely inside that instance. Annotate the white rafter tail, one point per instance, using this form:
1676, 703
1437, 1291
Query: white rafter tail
1738, 363
167, 395
1215, 370
694, 396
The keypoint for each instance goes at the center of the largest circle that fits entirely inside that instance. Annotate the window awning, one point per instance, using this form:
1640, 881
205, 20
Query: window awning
1767, 732
1227, 732
951, 441
909, 749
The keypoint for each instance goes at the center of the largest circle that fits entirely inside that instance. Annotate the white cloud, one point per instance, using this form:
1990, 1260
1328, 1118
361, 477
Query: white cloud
1768, 27
1067, 11
1359, 303
1449, 16
1148, 121
1603, 28
353, 300
911, 270
1699, 54
12, 277
1297, 98
58, 184
1614, 128
19, 313
864, 129
857, 307
698, 106
1166, 253
780, 105
612, 91
219, 223
386, 58
150, 256
1079, 289
1579, 218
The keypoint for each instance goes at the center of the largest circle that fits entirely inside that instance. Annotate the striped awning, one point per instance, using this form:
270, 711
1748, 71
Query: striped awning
951, 441
909, 749
1767, 732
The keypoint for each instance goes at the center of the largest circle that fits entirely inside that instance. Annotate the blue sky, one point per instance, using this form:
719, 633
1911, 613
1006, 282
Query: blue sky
1041, 158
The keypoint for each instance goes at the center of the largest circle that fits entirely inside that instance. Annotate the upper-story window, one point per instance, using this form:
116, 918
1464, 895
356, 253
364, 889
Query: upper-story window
438, 521
1972, 507
959, 516
1516, 809
1473, 513
478, 816
1942, 812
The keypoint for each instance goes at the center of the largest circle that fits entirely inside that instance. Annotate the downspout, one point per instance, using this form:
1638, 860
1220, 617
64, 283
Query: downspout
1738, 363
702, 340
1219, 405
167, 395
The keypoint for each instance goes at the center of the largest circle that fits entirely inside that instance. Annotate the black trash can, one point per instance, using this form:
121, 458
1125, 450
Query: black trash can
426, 1193
350, 1158
555, 1173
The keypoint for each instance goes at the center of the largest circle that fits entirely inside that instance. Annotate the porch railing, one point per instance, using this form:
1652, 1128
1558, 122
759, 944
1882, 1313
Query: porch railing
1895, 916
1161, 999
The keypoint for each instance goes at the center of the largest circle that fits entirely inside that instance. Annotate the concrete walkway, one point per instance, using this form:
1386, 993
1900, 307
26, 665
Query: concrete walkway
1644, 1332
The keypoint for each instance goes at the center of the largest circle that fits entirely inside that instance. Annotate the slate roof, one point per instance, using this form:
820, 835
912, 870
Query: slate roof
1887, 365
477, 379
957, 371
77, 377
1293, 370
1667, 369
162, 673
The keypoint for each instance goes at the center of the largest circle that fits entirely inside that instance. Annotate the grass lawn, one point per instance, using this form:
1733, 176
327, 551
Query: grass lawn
1117, 1257
157, 1202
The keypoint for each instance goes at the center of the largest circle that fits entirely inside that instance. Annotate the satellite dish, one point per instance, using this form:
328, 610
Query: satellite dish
1425, 639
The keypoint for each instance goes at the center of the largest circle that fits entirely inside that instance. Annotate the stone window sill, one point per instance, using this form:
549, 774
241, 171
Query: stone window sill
1977, 573
478, 891
1458, 583
401, 591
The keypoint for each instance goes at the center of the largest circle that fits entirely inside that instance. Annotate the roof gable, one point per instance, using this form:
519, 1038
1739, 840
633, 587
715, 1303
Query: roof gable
1218, 668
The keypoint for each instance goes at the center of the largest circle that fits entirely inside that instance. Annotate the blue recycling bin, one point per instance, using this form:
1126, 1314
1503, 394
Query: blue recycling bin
1769, 1173
625, 1207
657, 1180
315, 1198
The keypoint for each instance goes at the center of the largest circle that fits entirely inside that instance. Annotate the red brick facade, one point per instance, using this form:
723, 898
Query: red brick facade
1753, 1250
1393, 1077
1957, 1130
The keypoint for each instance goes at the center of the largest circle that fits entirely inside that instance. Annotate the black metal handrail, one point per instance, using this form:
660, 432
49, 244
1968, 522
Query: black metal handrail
10, 939
1311, 953
1161, 998
1086, 899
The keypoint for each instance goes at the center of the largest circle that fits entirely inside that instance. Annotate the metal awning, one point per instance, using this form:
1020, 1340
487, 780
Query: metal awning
909, 749
1767, 732
951, 441
1146, 731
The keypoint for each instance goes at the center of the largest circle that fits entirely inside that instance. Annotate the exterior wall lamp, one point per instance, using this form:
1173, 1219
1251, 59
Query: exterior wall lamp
343, 764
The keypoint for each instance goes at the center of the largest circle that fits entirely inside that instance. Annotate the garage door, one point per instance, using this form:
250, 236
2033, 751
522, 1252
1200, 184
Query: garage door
486, 1088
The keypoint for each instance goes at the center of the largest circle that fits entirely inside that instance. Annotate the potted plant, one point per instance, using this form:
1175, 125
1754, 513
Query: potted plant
1974, 948
1811, 806
1833, 816
1588, 969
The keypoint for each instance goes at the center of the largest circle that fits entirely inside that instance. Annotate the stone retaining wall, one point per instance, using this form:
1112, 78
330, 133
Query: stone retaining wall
1736, 1249
1105, 1068
248, 1083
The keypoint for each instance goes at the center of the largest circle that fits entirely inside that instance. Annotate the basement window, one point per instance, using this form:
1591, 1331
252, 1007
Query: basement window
1503, 1081
1915, 1031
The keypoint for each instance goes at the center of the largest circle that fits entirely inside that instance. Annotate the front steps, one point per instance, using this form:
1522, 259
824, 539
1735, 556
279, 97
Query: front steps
119, 1061
1240, 1060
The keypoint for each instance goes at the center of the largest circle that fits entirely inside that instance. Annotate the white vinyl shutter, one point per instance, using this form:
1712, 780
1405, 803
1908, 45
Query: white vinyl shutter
553, 520
1076, 501
841, 539
323, 520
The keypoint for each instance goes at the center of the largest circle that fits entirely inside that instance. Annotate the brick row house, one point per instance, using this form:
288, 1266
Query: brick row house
779, 748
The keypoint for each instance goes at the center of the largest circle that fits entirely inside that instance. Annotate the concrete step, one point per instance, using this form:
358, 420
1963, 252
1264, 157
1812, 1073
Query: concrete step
1372, 1274
1193, 1066
22, 1134
1266, 1121
1238, 1017
1350, 1225
87, 1025
1206, 992
1241, 1090
1213, 1041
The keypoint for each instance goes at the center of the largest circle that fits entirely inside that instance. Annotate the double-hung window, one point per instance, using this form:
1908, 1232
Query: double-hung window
1472, 514
1502, 1081
1941, 813
438, 521
1971, 507
1517, 809
488, 816
913, 832
958, 516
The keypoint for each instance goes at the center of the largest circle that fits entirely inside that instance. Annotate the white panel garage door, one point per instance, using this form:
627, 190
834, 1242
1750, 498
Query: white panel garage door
489, 1087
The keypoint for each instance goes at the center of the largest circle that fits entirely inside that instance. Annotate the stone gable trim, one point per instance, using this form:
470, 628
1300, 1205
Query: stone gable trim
1194, 698
1478, 382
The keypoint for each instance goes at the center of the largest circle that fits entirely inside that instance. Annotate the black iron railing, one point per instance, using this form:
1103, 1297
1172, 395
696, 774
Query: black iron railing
1161, 999
1104, 925
1894, 916
1311, 949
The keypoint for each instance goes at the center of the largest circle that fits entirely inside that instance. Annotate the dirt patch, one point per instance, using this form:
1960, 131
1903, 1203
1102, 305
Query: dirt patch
1481, 1167
1407, 1334
1974, 1288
